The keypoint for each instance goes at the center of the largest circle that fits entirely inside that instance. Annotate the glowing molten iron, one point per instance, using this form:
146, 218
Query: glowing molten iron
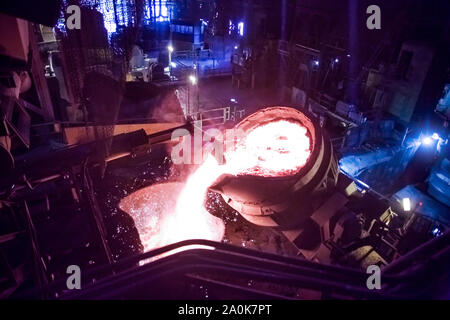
161, 221
274, 149
170, 212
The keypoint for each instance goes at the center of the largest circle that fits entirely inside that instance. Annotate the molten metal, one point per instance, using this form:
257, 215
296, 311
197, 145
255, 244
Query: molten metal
168, 213
159, 223
273, 149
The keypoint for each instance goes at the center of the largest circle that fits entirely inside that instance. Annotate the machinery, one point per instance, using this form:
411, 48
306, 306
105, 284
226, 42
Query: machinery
324, 214
87, 178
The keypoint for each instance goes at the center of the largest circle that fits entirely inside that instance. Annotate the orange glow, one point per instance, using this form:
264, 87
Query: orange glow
172, 212
190, 219
274, 149
159, 224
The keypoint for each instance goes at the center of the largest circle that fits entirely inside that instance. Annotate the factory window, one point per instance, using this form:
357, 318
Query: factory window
107, 9
156, 10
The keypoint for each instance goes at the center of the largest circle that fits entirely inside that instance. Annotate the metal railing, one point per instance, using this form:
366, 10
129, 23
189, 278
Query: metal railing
398, 279
219, 115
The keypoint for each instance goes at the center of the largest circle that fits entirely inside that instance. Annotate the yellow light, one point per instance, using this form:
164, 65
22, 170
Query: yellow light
193, 79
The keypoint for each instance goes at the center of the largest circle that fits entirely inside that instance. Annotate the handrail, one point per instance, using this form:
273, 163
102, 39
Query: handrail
233, 260
187, 262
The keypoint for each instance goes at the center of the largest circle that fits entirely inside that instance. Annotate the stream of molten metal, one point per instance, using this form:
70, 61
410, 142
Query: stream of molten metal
274, 149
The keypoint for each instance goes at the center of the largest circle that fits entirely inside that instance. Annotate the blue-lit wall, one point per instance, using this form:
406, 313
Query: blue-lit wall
439, 179
381, 168
157, 11
106, 7
154, 11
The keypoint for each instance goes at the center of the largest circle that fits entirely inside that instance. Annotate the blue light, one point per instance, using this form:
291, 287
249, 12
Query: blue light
107, 10
61, 25
336, 60
362, 186
435, 136
427, 141
241, 28
156, 10
316, 63
436, 232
